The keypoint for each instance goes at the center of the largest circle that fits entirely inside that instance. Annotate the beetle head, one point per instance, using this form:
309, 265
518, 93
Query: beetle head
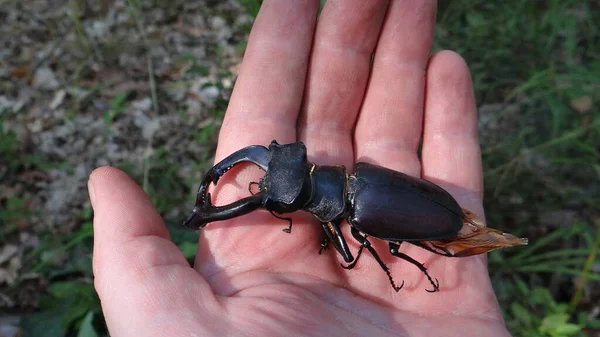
286, 186
287, 182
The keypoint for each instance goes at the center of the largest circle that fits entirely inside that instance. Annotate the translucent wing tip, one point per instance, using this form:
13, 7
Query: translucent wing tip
475, 238
515, 241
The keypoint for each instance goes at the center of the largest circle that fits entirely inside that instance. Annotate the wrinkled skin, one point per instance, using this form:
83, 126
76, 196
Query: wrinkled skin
309, 81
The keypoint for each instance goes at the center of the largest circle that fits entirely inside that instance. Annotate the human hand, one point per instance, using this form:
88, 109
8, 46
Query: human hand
311, 82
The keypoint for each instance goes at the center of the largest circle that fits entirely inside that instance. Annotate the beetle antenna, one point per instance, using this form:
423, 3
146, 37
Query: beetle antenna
289, 220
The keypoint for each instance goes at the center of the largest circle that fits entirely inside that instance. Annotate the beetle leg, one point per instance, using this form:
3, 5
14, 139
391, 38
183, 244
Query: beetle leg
366, 244
353, 263
362, 240
324, 245
394, 251
289, 220
334, 234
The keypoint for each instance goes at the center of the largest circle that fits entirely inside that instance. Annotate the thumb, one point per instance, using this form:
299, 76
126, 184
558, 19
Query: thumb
139, 272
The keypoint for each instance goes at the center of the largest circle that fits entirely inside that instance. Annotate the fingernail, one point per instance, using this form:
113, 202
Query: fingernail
91, 192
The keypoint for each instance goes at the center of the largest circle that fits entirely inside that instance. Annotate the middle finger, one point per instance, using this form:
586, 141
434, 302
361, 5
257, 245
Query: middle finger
345, 39
389, 127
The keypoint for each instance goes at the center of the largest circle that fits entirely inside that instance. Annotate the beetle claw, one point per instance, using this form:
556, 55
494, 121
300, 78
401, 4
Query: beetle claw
324, 245
349, 266
353, 263
436, 286
289, 220
397, 289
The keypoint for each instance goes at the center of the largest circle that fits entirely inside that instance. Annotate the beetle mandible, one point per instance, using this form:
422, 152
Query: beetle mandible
377, 202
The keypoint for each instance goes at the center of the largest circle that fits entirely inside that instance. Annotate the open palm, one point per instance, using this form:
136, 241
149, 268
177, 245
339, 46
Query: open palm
356, 85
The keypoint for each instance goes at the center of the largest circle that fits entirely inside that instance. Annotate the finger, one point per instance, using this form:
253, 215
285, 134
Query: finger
451, 158
125, 220
451, 153
138, 271
122, 208
267, 95
266, 99
264, 106
345, 39
388, 130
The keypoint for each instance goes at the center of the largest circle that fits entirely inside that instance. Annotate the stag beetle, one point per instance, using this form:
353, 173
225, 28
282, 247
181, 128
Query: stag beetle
377, 202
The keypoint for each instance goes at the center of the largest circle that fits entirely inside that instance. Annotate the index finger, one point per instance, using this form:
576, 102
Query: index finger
266, 99
264, 106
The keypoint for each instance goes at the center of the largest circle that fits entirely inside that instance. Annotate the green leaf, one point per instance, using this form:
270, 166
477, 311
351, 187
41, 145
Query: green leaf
557, 325
47, 324
252, 6
87, 328
117, 102
188, 249
62, 289
567, 329
198, 70
554, 320
180, 234
541, 296
87, 212
591, 324
76, 298
521, 313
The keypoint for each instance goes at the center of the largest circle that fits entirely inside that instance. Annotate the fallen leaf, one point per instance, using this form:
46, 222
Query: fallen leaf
34, 175
8, 191
20, 72
58, 99
7, 252
583, 104
126, 87
45, 79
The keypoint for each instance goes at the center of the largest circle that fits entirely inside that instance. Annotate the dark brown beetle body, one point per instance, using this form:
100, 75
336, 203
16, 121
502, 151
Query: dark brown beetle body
381, 199
376, 201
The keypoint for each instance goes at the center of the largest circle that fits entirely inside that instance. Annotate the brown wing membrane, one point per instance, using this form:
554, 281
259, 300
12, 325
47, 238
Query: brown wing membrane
474, 238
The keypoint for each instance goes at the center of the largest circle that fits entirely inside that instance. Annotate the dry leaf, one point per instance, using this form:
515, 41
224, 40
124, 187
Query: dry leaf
583, 104
20, 72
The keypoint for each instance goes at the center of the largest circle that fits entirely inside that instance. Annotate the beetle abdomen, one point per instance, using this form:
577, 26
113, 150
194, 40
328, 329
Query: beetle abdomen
393, 206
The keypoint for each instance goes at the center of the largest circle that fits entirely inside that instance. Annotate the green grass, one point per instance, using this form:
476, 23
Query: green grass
532, 59
531, 62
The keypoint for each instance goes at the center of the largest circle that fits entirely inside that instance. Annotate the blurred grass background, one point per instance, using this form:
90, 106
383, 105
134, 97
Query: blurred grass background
536, 73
